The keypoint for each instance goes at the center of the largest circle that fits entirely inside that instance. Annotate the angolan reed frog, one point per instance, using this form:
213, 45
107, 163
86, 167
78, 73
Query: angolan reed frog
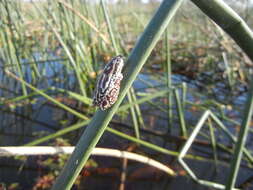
108, 84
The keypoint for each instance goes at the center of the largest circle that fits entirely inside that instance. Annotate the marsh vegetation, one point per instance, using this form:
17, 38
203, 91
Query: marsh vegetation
51, 53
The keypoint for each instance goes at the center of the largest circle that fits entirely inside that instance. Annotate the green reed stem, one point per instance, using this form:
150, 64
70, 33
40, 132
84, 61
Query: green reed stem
83, 123
116, 49
187, 146
213, 140
241, 141
134, 117
184, 93
137, 108
229, 21
109, 26
66, 49
168, 79
180, 114
229, 72
231, 136
47, 96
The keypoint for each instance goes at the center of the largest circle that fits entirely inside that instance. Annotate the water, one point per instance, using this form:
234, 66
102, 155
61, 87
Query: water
25, 122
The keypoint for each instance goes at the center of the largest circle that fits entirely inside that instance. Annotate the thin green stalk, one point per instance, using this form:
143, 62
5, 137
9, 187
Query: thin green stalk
180, 114
116, 49
153, 146
187, 146
241, 141
23, 97
229, 21
115, 132
231, 136
12, 47
88, 22
189, 142
109, 26
158, 107
81, 124
184, 93
34, 68
213, 140
47, 96
101, 119
58, 133
83, 99
145, 98
137, 108
72, 61
12, 57
134, 118
35, 62
168, 79
228, 70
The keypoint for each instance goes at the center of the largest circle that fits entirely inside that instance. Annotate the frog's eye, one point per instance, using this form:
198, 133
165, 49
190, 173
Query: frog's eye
119, 58
108, 69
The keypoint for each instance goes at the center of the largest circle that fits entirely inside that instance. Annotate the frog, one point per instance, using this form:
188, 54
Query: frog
108, 83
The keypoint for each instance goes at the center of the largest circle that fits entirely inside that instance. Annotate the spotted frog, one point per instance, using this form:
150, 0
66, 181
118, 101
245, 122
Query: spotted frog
108, 84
